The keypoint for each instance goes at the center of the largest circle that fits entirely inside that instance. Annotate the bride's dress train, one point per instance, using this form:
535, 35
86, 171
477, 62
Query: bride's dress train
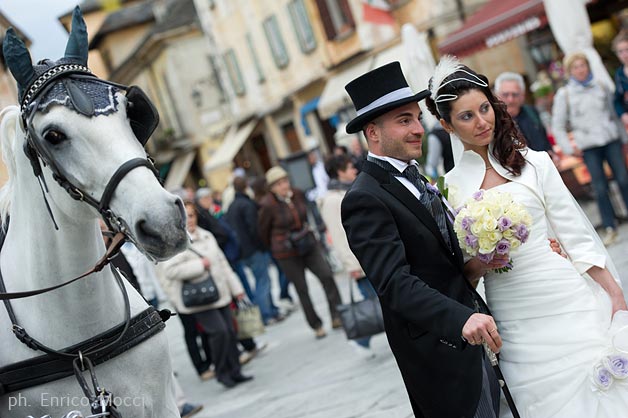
556, 327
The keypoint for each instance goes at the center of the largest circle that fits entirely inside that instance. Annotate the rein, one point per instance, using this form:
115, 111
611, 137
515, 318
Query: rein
114, 247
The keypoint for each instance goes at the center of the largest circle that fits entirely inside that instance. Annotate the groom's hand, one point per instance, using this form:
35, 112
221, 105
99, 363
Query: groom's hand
479, 328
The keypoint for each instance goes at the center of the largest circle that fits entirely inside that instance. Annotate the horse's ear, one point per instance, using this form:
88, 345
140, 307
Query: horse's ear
18, 58
77, 47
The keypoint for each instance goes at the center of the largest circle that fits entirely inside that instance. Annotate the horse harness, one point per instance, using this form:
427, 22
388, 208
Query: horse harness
81, 357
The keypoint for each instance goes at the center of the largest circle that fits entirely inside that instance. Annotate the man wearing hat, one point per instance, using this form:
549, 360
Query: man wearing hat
398, 230
283, 228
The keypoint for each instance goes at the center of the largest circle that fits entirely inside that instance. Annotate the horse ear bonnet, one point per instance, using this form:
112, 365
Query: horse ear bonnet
80, 90
142, 114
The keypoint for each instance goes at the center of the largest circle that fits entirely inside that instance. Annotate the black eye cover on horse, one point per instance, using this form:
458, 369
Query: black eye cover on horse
142, 114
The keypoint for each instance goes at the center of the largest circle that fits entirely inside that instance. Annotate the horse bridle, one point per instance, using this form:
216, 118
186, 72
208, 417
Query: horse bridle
143, 118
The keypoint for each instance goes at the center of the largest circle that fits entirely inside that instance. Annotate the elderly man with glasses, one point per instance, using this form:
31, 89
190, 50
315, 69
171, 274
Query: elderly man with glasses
510, 88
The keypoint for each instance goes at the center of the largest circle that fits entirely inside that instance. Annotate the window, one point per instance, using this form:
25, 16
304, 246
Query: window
260, 74
302, 26
277, 46
336, 17
231, 62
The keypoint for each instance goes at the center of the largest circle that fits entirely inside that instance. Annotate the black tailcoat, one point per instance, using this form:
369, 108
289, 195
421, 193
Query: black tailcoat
425, 298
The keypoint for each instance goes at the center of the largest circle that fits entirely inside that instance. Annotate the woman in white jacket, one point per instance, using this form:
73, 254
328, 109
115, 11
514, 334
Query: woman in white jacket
552, 313
215, 318
342, 173
587, 107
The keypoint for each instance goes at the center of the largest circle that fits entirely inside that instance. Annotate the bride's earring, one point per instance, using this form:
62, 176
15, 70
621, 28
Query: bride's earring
516, 142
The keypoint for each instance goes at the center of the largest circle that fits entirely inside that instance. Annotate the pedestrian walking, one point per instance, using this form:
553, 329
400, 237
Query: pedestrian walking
283, 228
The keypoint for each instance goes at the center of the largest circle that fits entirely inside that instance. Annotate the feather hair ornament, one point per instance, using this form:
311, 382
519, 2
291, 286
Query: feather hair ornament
447, 66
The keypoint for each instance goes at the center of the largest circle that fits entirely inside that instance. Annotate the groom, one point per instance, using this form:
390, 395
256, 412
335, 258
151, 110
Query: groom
399, 232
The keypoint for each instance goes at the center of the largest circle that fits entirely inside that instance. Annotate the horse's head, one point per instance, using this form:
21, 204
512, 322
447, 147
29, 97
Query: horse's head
90, 135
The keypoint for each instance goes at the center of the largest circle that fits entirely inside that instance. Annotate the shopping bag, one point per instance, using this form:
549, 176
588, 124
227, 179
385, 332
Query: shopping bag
248, 320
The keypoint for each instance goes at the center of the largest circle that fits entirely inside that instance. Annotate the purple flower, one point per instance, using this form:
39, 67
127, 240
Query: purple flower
617, 365
432, 188
471, 241
504, 223
479, 195
602, 377
502, 247
486, 258
466, 223
521, 232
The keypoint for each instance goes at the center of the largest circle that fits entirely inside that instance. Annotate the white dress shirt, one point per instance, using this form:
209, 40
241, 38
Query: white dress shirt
401, 165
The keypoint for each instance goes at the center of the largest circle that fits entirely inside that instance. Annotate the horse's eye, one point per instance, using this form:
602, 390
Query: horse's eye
54, 137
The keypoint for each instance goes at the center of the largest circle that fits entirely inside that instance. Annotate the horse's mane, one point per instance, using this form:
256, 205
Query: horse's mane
7, 146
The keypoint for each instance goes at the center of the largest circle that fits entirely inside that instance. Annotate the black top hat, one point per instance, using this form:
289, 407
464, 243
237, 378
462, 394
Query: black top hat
379, 91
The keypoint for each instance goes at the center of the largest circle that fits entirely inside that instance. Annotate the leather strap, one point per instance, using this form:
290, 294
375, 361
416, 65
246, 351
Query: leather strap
116, 243
47, 368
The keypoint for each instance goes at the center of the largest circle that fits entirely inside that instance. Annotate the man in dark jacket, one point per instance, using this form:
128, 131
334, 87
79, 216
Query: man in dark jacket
242, 217
510, 87
410, 254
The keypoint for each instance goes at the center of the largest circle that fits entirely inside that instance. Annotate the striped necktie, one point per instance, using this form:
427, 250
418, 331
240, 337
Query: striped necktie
428, 198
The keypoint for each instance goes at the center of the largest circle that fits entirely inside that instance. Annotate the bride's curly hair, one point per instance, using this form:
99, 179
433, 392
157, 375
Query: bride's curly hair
508, 141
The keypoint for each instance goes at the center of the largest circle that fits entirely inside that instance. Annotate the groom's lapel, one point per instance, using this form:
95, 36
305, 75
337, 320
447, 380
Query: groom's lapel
400, 192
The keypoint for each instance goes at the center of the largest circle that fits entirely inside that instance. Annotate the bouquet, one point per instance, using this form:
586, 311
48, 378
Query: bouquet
489, 223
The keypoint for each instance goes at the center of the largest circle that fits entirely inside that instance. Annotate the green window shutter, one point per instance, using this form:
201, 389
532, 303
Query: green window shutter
258, 67
235, 75
275, 41
302, 26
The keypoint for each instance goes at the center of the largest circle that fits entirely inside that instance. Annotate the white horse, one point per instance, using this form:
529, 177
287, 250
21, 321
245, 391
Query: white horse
35, 255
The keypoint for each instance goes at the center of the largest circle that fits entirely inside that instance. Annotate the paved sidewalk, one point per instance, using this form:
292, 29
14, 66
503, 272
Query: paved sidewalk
299, 376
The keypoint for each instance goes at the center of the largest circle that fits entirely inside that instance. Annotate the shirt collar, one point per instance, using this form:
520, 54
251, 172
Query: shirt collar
398, 164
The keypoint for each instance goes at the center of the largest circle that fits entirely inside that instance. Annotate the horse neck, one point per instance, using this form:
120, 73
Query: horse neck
35, 255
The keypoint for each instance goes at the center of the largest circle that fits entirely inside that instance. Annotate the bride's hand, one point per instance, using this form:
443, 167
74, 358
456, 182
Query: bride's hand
497, 262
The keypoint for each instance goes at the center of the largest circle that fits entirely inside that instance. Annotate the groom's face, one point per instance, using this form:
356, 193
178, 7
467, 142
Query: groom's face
398, 133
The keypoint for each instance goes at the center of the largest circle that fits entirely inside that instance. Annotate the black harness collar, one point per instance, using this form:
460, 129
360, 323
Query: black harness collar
56, 365
47, 368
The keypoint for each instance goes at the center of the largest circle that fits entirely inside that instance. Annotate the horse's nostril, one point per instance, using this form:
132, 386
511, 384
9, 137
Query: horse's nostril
143, 228
181, 208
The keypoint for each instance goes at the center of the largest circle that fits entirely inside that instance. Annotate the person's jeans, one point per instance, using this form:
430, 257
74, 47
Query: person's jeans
259, 263
367, 290
594, 159
283, 282
239, 270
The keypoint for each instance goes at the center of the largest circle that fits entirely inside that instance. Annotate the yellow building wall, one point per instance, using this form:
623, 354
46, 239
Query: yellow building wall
118, 46
493, 61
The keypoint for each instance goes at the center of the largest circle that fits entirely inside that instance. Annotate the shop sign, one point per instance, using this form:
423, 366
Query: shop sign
513, 32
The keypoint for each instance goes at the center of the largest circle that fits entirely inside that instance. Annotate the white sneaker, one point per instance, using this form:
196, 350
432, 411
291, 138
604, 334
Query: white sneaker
610, 237
361, 351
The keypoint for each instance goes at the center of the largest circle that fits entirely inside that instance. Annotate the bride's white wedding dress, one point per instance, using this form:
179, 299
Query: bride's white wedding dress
554, 323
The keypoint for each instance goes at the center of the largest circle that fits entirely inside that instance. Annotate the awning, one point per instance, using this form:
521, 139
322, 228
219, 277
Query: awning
179, 170
498, 21
234, 140
334, 96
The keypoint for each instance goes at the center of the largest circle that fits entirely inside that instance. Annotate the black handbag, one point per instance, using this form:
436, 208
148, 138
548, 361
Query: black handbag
361, 319
199, 292
302, 241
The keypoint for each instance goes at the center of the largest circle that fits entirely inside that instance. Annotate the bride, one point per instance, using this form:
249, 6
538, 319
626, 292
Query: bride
553, 313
